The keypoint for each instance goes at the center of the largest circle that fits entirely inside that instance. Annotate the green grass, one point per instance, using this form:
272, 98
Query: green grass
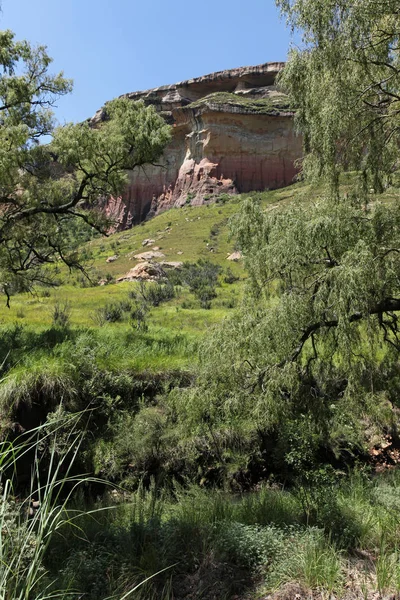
217, 543
188, 230
213, 540
271, 105
196, 232
183, 234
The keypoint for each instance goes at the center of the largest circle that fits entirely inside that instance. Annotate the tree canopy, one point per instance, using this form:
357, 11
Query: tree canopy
312, 356
44, 186
345, 85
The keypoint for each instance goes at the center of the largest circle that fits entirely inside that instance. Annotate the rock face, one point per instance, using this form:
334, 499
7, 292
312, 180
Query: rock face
232, 133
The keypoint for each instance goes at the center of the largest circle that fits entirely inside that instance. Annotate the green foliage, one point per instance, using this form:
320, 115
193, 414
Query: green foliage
154, 293
229, 276
61, 314
226, 100
110, 313
345, 83
26, 532
44, 187
313, 348
200, 277
294, 388
313, 352
311, 561
136, 448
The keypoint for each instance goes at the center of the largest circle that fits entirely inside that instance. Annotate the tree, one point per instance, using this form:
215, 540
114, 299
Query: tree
44, 187
313, 356
345, 84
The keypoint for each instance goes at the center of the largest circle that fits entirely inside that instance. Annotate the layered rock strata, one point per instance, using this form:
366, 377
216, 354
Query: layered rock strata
232, 133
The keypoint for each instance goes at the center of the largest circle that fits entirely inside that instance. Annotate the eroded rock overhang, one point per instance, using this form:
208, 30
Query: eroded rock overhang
232, 132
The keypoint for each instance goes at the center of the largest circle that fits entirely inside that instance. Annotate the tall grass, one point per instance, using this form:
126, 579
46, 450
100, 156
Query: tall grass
151, 543
25, 533
311, 561
28, 527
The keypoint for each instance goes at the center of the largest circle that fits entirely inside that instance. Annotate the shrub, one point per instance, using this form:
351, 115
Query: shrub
61, 314
153, 294
249, 545
138, 316
111, 313
229, 276
200, 277
205, 294
138, 445
214, 231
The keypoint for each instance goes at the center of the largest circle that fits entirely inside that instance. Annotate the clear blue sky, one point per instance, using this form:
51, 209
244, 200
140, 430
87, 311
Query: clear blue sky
109, 47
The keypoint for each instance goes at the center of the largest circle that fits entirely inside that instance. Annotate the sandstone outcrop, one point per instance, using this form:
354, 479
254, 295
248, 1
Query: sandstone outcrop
175, 265
232, 133
150, 271
144, 271
235, 256
150, 255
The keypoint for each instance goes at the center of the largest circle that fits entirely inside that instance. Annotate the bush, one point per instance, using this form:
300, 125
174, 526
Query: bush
61, 314
229, 276
249, 545
138, 446
138, 317
200, 277
153, 294
146, 295
110, 313
214, 231
222, 198
205, 294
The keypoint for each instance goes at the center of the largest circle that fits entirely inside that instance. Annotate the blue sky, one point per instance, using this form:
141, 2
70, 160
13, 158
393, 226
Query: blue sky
109, 47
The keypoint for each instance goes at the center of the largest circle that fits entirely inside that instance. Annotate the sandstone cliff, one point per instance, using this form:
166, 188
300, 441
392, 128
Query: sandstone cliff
232, 133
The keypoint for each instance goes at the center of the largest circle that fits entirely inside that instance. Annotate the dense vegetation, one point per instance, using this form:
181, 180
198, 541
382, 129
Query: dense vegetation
272, 105
238, 425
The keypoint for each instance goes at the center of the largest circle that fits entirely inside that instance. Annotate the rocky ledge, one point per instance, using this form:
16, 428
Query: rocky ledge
232, 133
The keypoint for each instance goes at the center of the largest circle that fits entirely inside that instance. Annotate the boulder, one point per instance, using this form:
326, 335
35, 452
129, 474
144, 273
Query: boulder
235, 256
172, 265
148, 242
112, 259
150, 255
145, 271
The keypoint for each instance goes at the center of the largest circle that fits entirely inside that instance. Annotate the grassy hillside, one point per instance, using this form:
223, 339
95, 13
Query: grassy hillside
208, 502
184, 234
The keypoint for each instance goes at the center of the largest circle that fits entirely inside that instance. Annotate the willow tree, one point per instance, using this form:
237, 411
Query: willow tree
345, 83
44, 187
312, 358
